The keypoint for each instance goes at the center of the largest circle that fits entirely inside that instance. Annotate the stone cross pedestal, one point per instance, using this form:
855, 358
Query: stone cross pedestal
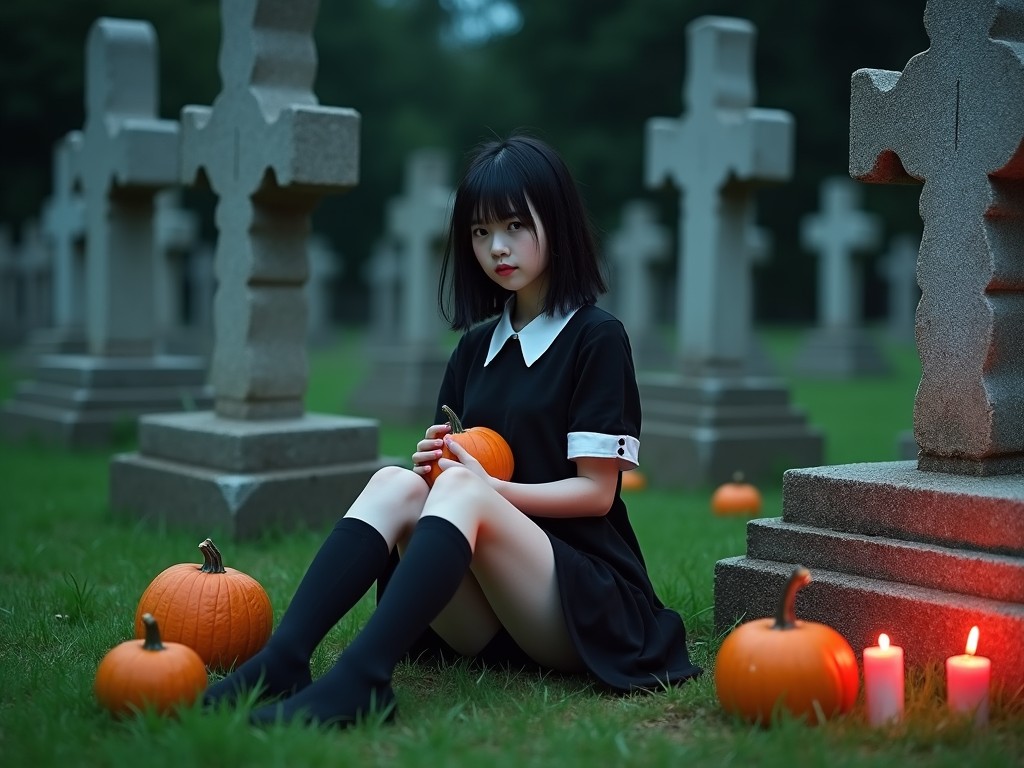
636, 247
840, 347
406, 371
930, 548
269, 152
712, 418
127, 154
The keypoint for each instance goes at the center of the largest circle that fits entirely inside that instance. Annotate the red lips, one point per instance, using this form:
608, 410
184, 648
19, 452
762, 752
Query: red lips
505, 270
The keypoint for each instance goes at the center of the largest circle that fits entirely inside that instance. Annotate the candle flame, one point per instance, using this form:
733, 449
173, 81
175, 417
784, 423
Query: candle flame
883, 641
972, 641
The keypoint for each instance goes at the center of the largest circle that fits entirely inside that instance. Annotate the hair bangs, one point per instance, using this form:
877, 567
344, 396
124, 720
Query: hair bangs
499, 194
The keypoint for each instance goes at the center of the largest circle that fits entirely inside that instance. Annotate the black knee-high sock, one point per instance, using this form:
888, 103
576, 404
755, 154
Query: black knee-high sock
345, 567
425, 580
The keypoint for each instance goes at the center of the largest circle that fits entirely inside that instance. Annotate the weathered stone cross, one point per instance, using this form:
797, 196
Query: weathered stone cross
269, 152
715, 155
127, 155
954, 120
64, 227
836, 232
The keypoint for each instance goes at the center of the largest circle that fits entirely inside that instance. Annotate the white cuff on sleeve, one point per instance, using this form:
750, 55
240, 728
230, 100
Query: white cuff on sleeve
625, 448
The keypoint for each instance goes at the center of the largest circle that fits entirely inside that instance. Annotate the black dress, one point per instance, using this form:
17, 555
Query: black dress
583, 385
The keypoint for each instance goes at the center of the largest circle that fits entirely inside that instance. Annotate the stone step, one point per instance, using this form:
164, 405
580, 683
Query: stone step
101, 372
133, 400
677, 389
897, 500
725, 417
929, 624
967, 572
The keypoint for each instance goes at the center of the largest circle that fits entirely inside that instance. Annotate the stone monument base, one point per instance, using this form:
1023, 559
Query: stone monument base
401, 387
88, 401
840, 353
240, 478
921, 556
698, 431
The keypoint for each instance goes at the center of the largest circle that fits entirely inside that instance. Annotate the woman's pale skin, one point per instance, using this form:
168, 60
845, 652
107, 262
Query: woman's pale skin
512, 579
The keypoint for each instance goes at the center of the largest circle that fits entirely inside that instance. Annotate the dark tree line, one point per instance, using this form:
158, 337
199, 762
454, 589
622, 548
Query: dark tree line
584, 74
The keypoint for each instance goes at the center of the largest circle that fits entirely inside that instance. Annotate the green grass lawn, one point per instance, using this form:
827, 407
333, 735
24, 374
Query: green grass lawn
70, 577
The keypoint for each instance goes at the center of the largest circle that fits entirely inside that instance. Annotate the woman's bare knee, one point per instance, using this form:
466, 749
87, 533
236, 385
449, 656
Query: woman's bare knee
391, 502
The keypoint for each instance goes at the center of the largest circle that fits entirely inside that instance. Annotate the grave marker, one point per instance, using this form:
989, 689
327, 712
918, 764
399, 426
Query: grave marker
406, 371
127, 155
269, 152
840, 346
935, 546
714, 418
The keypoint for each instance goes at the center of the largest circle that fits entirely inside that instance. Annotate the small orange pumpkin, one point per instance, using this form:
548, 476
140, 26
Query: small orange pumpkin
484, 444
221, 613
633, 480
135, 675
804, 667
736, 498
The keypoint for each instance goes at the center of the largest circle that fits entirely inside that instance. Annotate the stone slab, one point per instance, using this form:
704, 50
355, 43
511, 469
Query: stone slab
401, 386
840, 353
930, 625
699, 431
101, 371
962, 571
239, 445
898, 500
207, 502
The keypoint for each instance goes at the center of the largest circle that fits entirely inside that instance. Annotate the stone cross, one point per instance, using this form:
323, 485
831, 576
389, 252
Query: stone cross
36, 268
836, 233
176, 233
324, 271
638, 243
898, 268
715, 154
64, 228
381, 273
416, 222
126, 155
954, 120
269, 151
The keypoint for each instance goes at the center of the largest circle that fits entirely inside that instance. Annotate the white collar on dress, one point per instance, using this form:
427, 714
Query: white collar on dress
534, 339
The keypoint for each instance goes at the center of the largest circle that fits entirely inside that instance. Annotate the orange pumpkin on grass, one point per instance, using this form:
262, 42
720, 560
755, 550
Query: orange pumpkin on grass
149, 673
221, 613
803, 667
736, 498
484, 444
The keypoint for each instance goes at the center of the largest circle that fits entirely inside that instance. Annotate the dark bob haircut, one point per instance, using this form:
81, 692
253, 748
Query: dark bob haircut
501, 176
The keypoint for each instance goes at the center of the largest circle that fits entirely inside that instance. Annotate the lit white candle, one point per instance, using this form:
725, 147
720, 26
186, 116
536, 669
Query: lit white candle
883, 682
967, 680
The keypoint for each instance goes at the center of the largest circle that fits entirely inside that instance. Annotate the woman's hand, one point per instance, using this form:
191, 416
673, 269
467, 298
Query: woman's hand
428, 449
465, 458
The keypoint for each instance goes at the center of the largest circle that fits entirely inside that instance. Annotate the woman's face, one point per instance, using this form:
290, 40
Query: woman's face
512, 254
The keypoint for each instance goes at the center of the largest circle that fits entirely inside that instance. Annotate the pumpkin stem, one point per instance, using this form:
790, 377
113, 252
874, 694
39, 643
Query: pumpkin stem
152, 641
785, 618
213, 562
454, 420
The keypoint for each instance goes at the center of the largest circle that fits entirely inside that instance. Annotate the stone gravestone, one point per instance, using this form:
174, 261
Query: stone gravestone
64, 230
127, 155
406, 373
269, 151
898, 267
636, 247
713, 418
840, 347
381, 274
36, 276
176, 232
321, 288
925, 550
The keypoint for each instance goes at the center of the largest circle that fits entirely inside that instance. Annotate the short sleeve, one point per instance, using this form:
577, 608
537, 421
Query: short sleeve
604, 415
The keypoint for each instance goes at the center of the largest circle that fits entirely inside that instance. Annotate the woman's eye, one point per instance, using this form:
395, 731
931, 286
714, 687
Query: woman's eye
515, 226
479, 231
